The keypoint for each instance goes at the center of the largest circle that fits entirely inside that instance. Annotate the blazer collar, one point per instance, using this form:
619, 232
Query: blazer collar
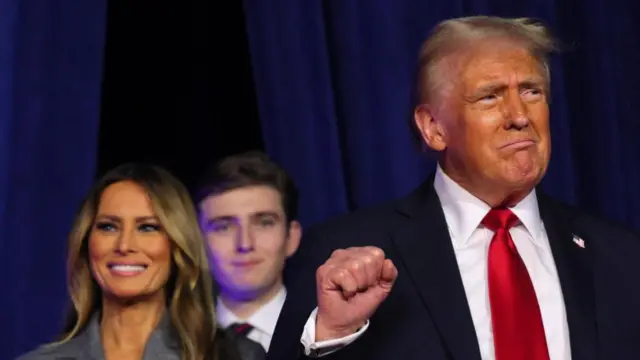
422, 239
575, 266
162, 343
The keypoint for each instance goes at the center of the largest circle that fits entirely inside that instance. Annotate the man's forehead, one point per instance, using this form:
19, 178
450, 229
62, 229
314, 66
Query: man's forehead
485, 62
492, 64
244, 201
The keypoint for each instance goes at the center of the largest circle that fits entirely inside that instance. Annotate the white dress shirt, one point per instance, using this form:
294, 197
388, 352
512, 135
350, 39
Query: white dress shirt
463, 213
263, 321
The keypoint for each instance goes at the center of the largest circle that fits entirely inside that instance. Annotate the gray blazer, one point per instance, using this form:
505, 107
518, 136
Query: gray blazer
87, 346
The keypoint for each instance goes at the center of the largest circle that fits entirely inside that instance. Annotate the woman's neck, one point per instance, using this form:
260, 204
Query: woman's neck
128, 326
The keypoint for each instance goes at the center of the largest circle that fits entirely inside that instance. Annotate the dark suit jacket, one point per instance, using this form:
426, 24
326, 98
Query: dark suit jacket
426, 316
162, 345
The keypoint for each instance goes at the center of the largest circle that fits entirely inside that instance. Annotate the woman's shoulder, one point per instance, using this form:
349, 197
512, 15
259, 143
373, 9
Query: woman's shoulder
44, 352
67, 351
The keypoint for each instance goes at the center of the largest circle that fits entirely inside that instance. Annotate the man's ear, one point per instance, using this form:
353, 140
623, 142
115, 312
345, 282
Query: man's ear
431, 129
293, 239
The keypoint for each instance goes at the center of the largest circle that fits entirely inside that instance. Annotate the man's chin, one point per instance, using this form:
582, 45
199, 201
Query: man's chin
524, 175
246, 292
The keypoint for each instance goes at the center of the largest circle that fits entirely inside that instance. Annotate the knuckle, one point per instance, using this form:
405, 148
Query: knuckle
368, 260
340, 275
321, 271
355, 265
376, 252
337, 253
324, 269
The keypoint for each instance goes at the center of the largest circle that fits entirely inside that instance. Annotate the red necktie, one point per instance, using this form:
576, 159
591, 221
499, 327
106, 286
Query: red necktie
518, 332
241, 329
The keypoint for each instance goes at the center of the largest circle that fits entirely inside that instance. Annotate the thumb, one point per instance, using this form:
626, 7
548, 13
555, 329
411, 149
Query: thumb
388, 275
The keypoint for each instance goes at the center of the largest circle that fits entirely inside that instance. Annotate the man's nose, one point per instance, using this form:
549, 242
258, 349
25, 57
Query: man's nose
515, 111
244, 240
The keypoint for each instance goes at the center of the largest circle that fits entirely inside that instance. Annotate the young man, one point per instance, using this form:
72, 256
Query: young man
248, 209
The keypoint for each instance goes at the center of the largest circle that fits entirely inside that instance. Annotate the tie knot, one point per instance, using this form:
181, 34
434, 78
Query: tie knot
500, 218
241, 329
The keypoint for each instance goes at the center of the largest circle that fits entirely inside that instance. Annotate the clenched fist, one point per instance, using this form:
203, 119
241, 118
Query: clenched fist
351, 285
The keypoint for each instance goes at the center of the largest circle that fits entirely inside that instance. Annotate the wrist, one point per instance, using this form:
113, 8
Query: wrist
326, 332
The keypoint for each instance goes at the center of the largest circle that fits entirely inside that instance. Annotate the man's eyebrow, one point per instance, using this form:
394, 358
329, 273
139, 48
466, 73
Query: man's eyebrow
492, 87
531, 83
215, 219
265, 213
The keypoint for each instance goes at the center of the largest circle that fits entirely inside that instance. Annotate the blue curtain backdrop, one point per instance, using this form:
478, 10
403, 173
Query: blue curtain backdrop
50, 74
333, 79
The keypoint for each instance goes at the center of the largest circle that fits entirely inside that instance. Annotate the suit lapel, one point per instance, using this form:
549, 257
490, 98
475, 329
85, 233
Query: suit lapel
162, 343
574, 265
425, 248
93, 346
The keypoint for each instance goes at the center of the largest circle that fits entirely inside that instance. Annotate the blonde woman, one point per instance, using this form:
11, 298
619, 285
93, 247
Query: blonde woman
138, 276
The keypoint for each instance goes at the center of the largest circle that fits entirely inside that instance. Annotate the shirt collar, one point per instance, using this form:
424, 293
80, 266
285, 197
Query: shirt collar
264, 319
464, 212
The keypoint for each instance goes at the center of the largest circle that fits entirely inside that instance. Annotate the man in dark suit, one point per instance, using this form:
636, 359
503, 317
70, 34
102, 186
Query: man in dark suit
475, 264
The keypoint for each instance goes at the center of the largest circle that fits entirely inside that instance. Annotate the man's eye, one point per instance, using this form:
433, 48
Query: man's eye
267, 222
532, 94
488, 99
220, 227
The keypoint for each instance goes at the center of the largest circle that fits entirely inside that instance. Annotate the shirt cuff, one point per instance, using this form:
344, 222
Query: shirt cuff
322, 348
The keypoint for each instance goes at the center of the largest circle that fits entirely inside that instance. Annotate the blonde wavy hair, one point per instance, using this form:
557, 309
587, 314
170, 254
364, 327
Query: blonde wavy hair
189, 289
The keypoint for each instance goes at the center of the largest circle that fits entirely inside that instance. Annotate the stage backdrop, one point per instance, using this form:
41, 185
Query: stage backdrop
50, 73
333, 80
